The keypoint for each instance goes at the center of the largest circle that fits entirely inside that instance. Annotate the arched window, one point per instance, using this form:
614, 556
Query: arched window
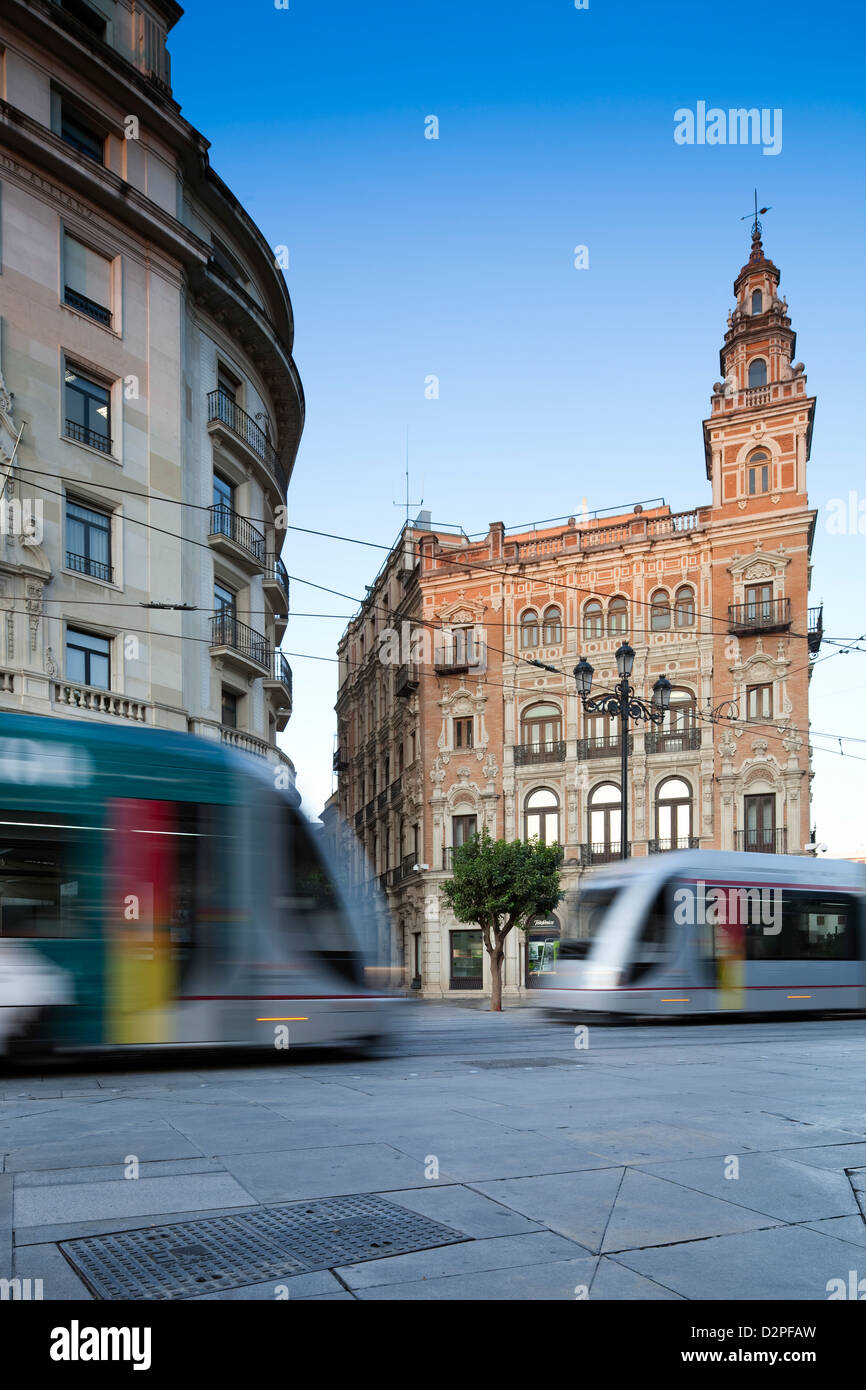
684, 607
660, 611
673, 814
758, 372
679, 733
552, 626
542, 816
529, 628
540, 732
605, 822
758, 473
757, 302
593, 619
617, 617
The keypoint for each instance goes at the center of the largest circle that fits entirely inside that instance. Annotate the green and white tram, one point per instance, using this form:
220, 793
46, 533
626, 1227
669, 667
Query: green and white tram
158, 890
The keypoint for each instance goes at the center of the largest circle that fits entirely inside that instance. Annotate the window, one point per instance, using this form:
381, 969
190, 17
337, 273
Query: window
463, 828
223, 493
88, 658
466, 960
224, 599
758, 474
86, 280
541, 726
816, 925
759, 702
759, 602
223, 258
87, 16
542, 816
416, 956
757, 302
679, 732
605, 818
684, 607
87, 408
229, 709
617, 617
88, 541
593, 619
529, 628
660, 611
50, 880
76, 131
552, 626
673, 814
759, 814
227, 382
463, 733
757, 372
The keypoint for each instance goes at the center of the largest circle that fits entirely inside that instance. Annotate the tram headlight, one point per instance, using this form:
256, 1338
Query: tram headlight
602, 977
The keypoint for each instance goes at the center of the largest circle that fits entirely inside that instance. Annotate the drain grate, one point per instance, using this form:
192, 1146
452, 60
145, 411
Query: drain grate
226, 1252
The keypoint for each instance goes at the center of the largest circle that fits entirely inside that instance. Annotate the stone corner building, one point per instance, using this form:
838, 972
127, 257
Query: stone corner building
150, 409
471, 734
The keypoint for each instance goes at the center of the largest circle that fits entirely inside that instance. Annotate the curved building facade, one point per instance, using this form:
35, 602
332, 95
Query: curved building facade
150, 407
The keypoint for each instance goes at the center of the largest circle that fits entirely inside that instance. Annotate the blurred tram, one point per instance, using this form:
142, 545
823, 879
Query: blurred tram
705, 931
158, 890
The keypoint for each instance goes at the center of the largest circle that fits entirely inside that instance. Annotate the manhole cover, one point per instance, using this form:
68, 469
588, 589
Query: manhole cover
226, 1252
501, 1063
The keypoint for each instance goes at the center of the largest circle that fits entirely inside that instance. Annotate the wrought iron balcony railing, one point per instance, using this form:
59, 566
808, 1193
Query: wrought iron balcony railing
815, 628
672, 741
84, 564
407, 679
229, 631
600, 852
282, 671
86, 306
605, 746
764, 615
762, 841
222, 407
275, 570
226, 522
92, 438
666, 843
551, 752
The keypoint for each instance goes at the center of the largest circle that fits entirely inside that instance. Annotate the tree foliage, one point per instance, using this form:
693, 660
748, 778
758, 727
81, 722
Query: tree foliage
501, 884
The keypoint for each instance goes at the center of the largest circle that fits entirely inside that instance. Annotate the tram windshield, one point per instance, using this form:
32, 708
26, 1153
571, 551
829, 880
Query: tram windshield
585, 919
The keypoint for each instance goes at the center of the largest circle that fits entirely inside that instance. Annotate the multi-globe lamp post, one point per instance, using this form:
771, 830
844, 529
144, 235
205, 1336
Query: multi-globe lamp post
623, 703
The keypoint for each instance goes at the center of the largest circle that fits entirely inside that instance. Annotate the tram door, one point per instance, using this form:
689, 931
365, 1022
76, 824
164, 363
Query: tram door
140, 910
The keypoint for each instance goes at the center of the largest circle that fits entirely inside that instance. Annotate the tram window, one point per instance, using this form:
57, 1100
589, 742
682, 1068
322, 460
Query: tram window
589, 912
657, 921
763, 941
317, 920
45, 883
820, 926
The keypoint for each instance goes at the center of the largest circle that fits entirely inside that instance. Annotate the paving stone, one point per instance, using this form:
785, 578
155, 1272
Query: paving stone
767, 1183
320, 1284
276, 1177
465, 1210
614, 1281
134, 1197
576, 1205
60, 1283
477, 1255
556, 1282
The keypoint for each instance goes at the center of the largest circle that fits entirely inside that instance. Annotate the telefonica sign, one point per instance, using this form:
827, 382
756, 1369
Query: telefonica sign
32, 764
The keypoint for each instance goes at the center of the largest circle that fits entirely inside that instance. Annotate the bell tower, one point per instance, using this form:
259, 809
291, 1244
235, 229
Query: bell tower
758, 437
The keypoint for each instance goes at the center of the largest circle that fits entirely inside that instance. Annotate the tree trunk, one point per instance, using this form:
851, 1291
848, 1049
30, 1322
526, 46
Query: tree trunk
496, 980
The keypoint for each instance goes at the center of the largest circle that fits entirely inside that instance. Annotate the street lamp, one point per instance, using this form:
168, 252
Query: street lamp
623, 702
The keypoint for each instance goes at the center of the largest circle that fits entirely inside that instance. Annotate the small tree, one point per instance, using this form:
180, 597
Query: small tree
500, 884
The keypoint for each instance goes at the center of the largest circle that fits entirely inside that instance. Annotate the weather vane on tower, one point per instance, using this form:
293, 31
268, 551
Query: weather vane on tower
756, 225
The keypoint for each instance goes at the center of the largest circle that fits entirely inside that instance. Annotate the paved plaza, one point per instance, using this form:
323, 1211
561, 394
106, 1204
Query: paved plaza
723, 1161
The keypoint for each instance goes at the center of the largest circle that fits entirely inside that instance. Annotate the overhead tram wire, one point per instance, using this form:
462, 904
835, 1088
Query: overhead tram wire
354, 540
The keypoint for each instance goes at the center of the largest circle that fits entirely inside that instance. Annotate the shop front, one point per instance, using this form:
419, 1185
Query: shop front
542, 948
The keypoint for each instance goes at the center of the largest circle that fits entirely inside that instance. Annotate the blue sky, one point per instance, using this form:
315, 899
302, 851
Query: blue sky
411, 257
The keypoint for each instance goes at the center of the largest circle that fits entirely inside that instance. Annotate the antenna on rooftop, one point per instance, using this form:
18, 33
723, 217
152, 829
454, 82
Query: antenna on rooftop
407, 504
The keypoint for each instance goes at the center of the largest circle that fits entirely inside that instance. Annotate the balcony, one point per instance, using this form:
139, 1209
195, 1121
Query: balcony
280, 686
67, 695
369, 811
407, 679
761, 841
396, 789
599, 852
359, 819
605, 746
767, 615
92, 438
465, 657
86, 306
338, 762
234, 536
239, 644
275, 582
664, 845
96, 569
531, 753
224, 414
678, 741
815, 629
381, 801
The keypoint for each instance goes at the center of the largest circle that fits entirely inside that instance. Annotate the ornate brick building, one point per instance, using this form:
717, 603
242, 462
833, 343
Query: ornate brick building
447, 723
